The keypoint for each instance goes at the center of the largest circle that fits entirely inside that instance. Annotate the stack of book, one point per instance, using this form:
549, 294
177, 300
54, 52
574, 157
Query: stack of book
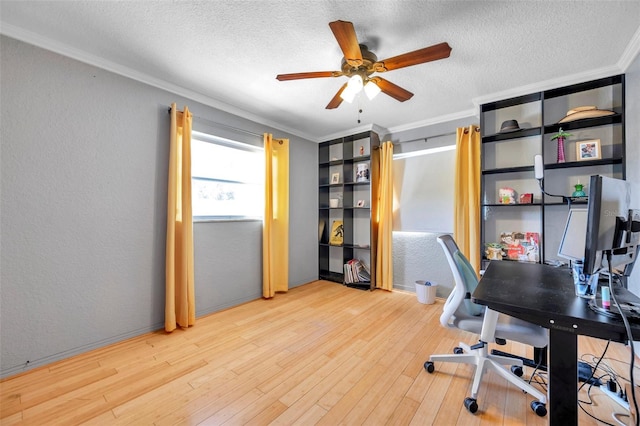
356, 271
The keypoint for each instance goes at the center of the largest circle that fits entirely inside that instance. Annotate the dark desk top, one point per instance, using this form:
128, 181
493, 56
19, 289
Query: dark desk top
544, 295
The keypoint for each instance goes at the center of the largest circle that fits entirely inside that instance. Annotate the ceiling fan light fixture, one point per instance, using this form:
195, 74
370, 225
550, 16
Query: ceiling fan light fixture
354, 86
371, 89
348, 95
355, 83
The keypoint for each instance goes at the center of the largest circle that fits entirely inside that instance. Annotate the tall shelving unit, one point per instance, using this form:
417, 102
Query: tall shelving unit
507, 158
352, 204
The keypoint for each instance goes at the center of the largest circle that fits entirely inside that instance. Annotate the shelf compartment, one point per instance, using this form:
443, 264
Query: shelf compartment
521, 181
506, 103
511, 153
604, 94
511, 220
582, 87
562, 180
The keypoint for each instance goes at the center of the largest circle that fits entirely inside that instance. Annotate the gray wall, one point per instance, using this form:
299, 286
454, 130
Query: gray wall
418, 256
83, 162
632, 140
632, 128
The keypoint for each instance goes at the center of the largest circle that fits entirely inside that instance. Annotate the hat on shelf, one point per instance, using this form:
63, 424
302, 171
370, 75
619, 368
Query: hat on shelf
509, 126
584, 112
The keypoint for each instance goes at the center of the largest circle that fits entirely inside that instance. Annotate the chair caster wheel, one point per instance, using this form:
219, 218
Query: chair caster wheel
471, 405
517, 370
458, 350
429, 367
539, 408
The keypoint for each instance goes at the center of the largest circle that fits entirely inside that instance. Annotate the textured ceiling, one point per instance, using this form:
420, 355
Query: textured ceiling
227, 53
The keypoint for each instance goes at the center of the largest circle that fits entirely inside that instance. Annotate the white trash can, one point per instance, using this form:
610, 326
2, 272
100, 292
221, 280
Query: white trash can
426, 292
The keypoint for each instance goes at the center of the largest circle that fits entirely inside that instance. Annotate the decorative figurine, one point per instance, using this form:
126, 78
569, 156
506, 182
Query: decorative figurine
561, 136
506, 196
578, 192
494, 251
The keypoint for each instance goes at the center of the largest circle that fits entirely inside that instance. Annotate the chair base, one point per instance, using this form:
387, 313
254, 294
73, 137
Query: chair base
484, 361
539, 362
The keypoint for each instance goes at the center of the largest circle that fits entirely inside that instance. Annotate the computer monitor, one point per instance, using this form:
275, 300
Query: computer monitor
574, 236
613, 230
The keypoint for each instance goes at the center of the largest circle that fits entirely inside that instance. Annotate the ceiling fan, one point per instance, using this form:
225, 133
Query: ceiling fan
359, 63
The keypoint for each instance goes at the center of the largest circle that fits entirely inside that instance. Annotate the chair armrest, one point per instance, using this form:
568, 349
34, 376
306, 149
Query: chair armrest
450, 307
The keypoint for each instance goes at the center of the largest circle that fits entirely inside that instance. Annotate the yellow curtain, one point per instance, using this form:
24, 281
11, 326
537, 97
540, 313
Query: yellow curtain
180, 304
466, 204
275, 231
384, 218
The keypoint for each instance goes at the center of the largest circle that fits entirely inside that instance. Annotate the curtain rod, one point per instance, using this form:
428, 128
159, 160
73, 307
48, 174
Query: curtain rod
224, 125
435, 136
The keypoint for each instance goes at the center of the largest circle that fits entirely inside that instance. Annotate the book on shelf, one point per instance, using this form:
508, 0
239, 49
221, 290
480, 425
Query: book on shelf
337, 233
348, 278
321, 230
356, 271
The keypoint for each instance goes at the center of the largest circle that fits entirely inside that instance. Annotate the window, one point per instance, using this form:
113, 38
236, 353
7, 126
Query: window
227, 178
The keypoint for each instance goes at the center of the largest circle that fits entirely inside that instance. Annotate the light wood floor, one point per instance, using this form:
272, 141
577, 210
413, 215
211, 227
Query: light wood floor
320, 354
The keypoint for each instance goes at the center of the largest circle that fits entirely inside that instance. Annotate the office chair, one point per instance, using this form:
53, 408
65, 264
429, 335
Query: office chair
460, 312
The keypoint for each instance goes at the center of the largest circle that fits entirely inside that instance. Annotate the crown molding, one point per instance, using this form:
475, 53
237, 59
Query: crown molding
631, 52
350, 132
381, 131
470, 113
46, 43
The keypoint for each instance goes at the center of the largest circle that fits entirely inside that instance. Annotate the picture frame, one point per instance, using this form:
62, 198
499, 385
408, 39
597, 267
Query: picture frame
335, 178
360, 203
362, 172
588, 150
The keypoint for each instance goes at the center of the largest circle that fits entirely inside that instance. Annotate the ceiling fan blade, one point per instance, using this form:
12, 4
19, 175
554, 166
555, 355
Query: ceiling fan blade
346, 36
391, 89
420, 56
337, 100
301, 75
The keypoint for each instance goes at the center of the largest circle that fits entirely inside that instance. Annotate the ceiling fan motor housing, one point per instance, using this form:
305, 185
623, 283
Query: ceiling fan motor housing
366, 69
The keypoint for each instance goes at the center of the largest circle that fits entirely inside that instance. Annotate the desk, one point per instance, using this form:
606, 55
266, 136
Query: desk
544, 295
